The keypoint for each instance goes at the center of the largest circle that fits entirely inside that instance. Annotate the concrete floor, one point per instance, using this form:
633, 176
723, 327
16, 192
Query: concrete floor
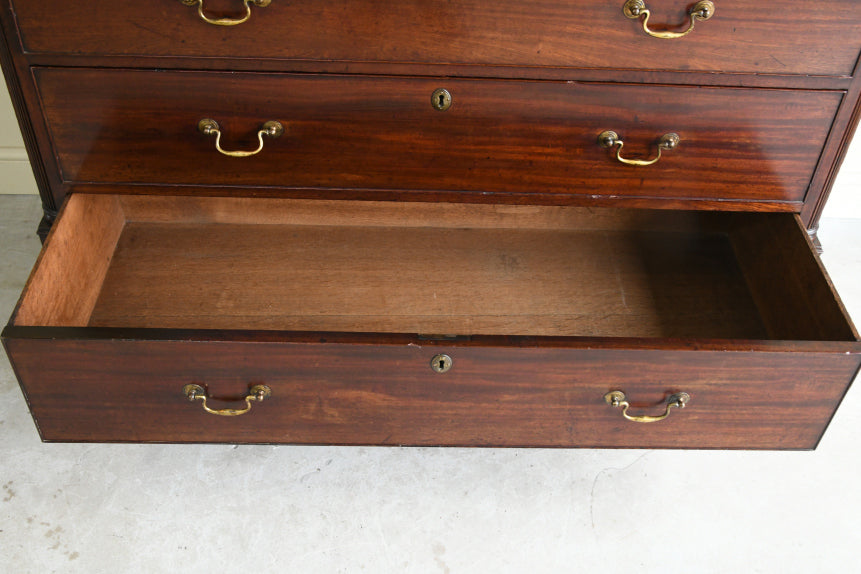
138, 508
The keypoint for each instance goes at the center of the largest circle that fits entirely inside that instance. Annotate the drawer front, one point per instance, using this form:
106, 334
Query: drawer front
337, 393
792, 37
371, 133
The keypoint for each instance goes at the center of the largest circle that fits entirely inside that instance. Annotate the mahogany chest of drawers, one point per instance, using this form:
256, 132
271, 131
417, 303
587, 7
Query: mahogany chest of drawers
577, 224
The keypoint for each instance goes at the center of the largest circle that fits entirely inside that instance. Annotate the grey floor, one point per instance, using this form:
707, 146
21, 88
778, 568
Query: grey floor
138, 508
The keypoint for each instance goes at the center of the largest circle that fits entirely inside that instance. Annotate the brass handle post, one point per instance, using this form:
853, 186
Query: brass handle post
226, 21
619, 400
257, 393
210, 127
702, 10
609, 139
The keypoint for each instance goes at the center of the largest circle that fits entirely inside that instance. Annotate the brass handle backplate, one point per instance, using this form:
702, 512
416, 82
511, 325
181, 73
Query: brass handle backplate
197, 393
226, 21
702, 10
618, 399
610, 139
210, 127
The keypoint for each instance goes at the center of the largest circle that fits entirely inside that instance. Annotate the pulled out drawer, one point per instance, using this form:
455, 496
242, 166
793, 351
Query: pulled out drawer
499, 141
263, 320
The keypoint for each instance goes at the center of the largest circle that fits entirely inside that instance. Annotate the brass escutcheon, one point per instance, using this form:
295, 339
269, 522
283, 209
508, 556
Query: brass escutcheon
441, 363
441, 99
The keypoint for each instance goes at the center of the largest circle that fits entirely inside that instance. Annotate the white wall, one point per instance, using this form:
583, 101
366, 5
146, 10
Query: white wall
15, 173
16, 176
845, 199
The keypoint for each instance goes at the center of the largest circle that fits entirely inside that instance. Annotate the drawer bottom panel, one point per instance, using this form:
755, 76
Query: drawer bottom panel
117, 390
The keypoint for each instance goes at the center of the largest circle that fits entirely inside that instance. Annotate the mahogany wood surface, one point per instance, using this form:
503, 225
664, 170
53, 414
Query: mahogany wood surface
134, 297
790, 37
22, 94
823, 34
845, 126
507, 137
328, 393
791, 287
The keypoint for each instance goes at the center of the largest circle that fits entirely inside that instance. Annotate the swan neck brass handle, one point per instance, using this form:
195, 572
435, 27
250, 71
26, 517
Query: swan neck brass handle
226, 21
610, 139
618, 399
197, 393
702, 10
210, 127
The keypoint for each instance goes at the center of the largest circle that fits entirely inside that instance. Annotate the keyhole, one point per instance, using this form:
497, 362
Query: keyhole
441, 99
441, 363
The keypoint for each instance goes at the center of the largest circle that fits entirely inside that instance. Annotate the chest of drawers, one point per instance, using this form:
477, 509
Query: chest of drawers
578, 224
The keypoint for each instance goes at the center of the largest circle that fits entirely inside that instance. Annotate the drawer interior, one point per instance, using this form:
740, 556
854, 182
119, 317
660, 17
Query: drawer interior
435, 269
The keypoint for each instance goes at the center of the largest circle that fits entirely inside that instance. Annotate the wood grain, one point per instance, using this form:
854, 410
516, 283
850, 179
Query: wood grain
323, 393
235, 263
734, 309
791, 288
781, 50
66, 280
845, 125
419, 280
501, 137
22, 95
742, 37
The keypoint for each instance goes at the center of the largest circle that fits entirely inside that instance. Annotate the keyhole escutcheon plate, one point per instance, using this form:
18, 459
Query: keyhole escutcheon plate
441, 363
441, 99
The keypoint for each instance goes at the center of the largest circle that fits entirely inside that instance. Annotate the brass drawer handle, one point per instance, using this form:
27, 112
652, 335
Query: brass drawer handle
702, 10
226, 21
209, 127
609, 139
197, 393
618, 399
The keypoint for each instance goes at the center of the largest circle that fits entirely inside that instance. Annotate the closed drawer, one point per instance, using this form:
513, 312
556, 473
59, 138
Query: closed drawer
515, 139
792, 37
338, 307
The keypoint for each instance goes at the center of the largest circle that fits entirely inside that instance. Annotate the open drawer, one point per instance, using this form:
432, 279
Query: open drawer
148, 318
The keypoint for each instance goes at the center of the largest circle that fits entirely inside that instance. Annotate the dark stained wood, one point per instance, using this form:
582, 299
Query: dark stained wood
601, 75
48, 218
323, 393
507, 137
22, 95
827, 24
733, 308
845, 125
789, 284
428, 196
794, 37
54, 190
